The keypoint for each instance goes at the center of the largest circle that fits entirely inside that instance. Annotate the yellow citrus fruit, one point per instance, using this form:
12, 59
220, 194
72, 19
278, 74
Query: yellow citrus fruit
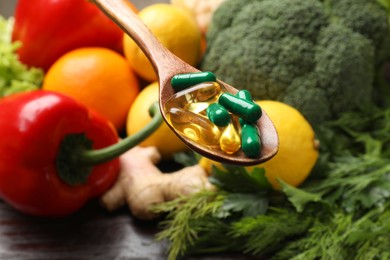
163, 138
298, 148
97, 77
175, 28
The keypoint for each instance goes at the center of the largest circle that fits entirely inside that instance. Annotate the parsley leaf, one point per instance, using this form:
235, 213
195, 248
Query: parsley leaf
238, 179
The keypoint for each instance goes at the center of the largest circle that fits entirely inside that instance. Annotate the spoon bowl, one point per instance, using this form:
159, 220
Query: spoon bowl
167, 65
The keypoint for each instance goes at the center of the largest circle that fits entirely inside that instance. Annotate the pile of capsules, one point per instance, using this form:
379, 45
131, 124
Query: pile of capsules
207, 114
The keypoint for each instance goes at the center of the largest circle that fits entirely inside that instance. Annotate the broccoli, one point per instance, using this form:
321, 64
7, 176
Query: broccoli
318, 56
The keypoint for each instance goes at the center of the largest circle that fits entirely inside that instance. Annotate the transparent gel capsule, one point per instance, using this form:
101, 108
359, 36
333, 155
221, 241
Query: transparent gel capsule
194, 126
204, 92
230, 141
198, 108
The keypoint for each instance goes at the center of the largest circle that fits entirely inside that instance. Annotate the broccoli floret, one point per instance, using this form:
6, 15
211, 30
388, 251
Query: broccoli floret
301, 52
368, 18
332, 86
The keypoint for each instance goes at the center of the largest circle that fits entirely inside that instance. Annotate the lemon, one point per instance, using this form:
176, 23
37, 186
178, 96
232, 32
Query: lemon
138, 116
298, 148
175, 28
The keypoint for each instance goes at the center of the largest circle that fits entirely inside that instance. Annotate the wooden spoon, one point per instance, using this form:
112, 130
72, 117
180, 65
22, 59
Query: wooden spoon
166, 65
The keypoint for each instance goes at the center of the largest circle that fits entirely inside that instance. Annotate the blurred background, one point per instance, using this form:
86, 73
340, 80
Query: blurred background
7, 7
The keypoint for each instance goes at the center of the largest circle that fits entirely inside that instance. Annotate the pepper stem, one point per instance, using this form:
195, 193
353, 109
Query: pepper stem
93, 157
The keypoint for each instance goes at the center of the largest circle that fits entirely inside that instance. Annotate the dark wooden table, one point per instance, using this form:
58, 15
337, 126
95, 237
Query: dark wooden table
91, 233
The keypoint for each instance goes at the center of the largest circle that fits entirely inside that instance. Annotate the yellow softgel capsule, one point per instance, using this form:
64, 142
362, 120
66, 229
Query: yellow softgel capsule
204, 92
198, 108
194, 126
230, 141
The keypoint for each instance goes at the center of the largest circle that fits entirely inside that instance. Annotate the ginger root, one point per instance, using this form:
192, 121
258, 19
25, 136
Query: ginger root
141, 184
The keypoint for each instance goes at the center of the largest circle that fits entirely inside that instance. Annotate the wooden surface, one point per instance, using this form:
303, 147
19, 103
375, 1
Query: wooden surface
91, 233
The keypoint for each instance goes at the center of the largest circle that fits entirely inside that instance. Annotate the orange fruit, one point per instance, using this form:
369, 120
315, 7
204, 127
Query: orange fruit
175, 28
97, 77
163, 138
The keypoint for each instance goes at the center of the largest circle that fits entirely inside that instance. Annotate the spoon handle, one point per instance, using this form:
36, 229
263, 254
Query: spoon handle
121, 13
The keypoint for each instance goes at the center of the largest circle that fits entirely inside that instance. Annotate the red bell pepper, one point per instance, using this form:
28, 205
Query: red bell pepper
55, 154
50, 28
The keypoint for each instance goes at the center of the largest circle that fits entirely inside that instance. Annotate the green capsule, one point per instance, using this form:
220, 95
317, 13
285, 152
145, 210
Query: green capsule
248, 110
183, 81
218, 114
250, 140
244, 94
